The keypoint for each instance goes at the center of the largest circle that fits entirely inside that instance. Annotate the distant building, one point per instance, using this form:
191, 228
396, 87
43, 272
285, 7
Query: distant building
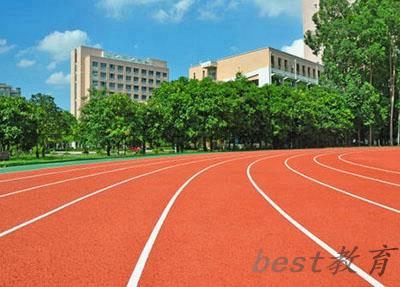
310, 7
262, 66
6, 90
96, 68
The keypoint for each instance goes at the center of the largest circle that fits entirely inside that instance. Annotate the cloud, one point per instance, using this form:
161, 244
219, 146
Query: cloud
174, 13
59, 44
118, 8
25, 63
273, 8
58, 79
215, 9
4, 47
52, 66
296, 48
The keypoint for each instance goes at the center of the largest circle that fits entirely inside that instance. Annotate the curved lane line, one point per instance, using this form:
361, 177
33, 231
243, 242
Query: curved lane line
340, 157
144, 255
338, 189
315, 159
55, 210
80, 177
364, 275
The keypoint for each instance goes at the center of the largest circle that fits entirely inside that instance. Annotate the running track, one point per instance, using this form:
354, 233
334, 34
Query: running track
229, 219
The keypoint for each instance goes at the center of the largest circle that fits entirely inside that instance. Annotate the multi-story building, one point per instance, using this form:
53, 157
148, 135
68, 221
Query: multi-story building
7, 90
262, 66
96, 68
310, 7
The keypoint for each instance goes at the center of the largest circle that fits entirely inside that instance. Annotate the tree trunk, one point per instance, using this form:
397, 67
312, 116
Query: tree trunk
205, 144
108, 150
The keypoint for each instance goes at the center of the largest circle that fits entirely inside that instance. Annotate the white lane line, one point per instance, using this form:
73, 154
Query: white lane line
92, 166
63, 171
76, 178
338, 189
364, 275
341, 157
315, 159
144, 255
55, 210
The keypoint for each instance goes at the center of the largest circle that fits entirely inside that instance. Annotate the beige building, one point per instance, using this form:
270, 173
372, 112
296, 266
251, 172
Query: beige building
96, 68
310, 7
262, 66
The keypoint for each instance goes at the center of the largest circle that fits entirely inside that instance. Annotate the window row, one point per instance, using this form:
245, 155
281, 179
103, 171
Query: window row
112, 76
128, 70
121, 87
300, 69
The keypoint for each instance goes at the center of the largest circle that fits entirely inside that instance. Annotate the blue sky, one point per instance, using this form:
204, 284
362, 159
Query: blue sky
36, 36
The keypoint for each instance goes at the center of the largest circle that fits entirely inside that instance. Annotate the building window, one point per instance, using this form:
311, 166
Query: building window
194, 76
313, 73
297, 68
136, 71
95, 74
204, 74
144, 80
120, 87
279, 63
136, 88
144, 97
103, 75
128, 87
136, 96
158, 74
151, 73
319, 73
144, 89
112, 76
151, 81
304, 70
112, 68
144, 72
158, 82
309, 72
95, 83
165, 75
103, 67
136, 80
272, 61
103, 84
95, 64
111, 86
120, 77
128, 70
286, 65
128, 78
120, 69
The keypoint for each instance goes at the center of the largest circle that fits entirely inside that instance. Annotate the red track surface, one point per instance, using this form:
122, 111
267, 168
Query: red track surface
200, 221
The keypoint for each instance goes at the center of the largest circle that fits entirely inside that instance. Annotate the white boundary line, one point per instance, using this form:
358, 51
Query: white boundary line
87, 166
315, 159
144, 255
310, 235
4, 195
337, 189
340, 157
77, 178
55, 210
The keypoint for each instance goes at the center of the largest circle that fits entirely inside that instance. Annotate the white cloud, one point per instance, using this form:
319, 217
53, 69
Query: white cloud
118, 8
59, 44
174, 13
25, 63
58, 79
4, 47
296, 48
52, 66
215, 9
273, 8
